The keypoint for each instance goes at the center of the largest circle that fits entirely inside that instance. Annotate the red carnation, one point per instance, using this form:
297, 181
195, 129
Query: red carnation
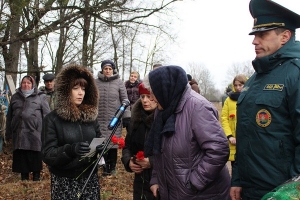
140, 155
121, 143
231, 116
114, 139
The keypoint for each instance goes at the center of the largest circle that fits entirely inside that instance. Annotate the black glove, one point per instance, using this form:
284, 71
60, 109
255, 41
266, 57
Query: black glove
78, 149
126, 122
99, 148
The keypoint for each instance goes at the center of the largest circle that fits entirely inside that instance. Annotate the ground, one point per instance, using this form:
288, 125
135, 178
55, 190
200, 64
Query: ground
12, 188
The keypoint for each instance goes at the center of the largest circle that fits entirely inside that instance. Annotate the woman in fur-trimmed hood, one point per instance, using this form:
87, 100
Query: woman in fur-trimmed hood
67, 132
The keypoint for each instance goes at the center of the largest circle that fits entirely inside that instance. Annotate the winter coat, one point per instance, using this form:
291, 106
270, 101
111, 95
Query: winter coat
192, 163
24, 120
228, 118
268, 128
51, 97
132, 91
69, 124
194, 85
141, 122
112, 92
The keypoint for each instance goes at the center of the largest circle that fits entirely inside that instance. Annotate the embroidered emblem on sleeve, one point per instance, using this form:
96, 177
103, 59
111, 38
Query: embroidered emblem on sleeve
263, 118
278, 87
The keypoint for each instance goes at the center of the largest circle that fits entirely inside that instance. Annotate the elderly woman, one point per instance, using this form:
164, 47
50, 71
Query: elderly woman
28, 107
67, 132
186, 140
142, 115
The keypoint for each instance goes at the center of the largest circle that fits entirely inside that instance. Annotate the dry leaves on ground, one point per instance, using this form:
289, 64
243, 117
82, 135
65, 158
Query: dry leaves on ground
12, 188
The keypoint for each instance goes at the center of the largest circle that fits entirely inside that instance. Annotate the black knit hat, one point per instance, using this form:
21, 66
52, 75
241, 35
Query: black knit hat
109, 63
167, 83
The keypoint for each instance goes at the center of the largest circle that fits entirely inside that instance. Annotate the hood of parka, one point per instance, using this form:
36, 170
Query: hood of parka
88, 110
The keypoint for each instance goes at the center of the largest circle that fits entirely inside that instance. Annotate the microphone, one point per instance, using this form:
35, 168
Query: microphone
114, 121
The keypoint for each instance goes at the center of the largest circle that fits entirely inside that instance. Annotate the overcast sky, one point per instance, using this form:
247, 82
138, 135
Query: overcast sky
214, 33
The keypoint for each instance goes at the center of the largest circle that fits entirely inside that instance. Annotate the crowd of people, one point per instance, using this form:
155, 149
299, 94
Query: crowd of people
175, 144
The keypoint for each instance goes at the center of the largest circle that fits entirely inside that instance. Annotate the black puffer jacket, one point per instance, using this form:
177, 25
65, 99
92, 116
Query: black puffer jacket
69, 124
141, 122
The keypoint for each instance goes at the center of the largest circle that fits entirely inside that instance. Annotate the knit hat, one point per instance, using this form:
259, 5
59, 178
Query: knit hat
189, 77
143, 90
109, 63
167, 83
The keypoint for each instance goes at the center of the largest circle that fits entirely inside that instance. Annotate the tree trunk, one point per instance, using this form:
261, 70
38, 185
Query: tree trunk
86, 32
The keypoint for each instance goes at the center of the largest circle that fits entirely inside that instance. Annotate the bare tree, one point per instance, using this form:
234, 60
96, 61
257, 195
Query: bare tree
238, 68
203, 76
42, 18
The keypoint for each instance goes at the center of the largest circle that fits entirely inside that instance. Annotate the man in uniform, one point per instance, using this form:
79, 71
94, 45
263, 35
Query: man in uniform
268, 109
48, 89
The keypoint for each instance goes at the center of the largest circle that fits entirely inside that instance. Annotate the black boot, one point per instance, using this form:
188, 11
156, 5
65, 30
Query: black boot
36, 176
106, 171
24, 176
113, 161
112, 168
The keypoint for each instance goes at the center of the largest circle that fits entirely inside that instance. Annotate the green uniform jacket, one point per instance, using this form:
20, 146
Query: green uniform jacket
268, 123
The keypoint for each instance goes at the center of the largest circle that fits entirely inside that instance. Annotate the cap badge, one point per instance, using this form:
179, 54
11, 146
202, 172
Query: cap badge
255, 21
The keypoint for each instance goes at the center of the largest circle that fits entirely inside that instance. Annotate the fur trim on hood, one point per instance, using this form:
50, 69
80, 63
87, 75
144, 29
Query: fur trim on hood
88, 110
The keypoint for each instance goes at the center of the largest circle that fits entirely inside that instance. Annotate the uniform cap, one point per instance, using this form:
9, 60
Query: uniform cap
269, 15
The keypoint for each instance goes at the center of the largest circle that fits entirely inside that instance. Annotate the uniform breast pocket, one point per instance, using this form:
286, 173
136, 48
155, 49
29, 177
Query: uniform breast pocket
272, 99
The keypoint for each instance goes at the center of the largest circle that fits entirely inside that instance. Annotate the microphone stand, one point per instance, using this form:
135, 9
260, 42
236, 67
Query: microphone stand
79, 194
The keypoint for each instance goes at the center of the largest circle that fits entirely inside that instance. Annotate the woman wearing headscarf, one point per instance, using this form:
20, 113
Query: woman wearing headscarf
113, 92
67, 132
142, 115
28, 107
189, 146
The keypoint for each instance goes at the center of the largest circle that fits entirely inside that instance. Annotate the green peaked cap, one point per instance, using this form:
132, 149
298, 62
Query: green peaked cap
269, 15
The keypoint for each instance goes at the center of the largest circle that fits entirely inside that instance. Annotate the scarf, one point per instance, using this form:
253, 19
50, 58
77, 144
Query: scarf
234, 95
27, 93
167, 84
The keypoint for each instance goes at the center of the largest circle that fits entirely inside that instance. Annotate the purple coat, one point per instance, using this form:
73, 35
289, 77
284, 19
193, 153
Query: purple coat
195, 154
